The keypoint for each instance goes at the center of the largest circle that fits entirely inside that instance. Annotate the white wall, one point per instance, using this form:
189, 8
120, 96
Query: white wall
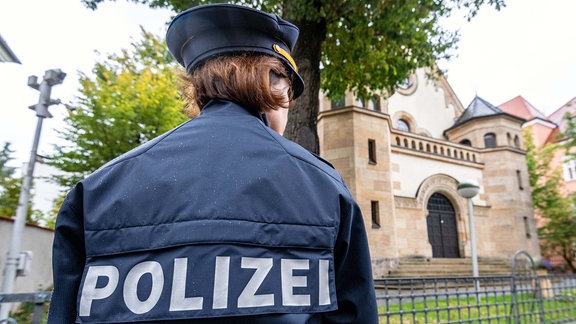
412, 171
427, 106
39, 241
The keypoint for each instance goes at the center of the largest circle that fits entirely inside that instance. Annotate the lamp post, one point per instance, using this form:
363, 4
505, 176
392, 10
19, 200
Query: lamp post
469, 189
50, 79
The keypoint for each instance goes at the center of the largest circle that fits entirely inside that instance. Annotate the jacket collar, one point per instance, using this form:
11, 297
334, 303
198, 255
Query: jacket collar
215, 105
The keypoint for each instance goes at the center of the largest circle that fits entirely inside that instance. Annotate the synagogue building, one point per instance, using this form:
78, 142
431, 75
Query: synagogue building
403, 157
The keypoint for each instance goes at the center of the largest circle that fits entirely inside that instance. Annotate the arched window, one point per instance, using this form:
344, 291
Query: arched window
402, 125
466, 142
490, 140
405, 84
516, 141
338, 103
374, 103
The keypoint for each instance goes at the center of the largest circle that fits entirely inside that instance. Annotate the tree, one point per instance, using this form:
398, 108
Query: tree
10, 186
50, 219
365, 46
130, 100
569, 135
558, 232
5, 157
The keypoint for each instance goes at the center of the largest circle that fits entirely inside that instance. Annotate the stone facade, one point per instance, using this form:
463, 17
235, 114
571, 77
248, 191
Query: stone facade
403, 158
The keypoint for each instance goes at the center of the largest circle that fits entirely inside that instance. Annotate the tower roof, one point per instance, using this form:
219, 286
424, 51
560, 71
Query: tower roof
478, 108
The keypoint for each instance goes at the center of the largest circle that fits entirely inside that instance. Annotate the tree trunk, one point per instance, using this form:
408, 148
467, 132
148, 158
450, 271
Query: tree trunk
567, 256
302, 120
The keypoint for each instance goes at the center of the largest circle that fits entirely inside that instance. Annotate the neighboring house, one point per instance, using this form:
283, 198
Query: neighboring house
37, 240
403, 158
568, 163
548, 130
6, 54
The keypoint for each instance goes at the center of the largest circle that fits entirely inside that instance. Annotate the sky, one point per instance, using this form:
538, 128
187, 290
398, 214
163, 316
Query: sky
528, 48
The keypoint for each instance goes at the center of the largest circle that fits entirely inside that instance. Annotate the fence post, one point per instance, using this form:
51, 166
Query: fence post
537, 289
39, 300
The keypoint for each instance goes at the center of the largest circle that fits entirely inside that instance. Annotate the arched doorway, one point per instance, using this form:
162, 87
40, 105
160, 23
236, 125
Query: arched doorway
442, 230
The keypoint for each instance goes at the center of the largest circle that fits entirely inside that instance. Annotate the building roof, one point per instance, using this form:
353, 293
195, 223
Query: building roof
558, 115
520, 107
6, 54
479, 108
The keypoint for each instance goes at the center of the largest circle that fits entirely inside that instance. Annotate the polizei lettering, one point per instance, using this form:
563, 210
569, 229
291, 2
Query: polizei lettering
226, 284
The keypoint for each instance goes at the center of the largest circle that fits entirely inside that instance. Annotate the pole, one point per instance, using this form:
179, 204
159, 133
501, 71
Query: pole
473, 244
19, 223
51, 78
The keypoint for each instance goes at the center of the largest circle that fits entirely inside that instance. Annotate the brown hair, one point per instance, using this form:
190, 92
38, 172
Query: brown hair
243, 78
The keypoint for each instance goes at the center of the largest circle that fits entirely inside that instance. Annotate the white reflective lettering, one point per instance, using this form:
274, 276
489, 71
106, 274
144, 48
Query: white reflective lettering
248, 297
221, 278
323, 282
289, 281
89, 290
131, 299
178, 299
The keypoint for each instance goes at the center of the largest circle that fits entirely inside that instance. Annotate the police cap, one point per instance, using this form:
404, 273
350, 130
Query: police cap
205, 31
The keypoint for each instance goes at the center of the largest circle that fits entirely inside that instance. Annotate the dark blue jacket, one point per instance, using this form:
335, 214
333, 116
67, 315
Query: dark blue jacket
221, 217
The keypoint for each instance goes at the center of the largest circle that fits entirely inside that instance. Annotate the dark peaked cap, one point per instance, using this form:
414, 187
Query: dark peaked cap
205, 31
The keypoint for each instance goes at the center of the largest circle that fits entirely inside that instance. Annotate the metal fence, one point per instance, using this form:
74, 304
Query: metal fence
522, 298
37, 298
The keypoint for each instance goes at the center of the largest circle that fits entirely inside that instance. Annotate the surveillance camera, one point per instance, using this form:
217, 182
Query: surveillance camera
33, 82
54, 77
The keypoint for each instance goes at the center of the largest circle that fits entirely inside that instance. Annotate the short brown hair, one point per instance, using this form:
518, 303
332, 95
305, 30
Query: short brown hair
243, 78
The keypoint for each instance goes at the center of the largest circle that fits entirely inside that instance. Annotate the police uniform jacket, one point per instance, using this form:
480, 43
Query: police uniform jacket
221, 220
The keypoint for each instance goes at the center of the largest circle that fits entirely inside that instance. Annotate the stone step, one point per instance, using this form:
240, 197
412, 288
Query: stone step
444, 267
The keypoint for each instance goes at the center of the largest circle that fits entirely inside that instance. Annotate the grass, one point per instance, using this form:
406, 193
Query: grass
491, 309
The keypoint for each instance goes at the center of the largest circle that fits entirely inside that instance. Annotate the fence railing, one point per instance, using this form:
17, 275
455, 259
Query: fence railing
38, 298
524, 298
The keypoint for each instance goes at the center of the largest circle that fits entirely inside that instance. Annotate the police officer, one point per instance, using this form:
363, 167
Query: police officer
220, 220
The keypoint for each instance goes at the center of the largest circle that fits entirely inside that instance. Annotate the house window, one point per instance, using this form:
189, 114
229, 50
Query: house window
569, 170
371, 151
519, 178
466, 142
338, 103
490, 140
402, 125
375, 209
